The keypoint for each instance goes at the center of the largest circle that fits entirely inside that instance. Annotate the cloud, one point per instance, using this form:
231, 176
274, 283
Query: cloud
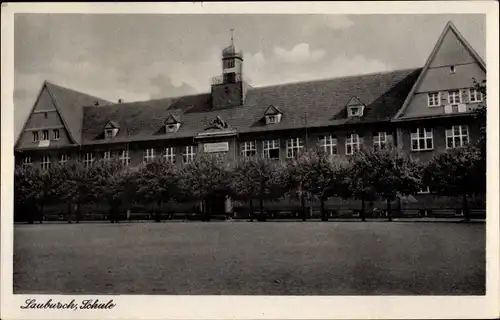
299, 54
337, 22
162, 86
274, 70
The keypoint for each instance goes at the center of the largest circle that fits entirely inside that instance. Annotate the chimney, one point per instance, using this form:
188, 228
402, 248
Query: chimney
96, 103
120, 100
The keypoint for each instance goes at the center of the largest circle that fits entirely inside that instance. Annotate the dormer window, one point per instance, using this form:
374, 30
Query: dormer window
109, 133
172, 124
355, 111
111, 129
355, 108
453, 69
272, 115
170, 128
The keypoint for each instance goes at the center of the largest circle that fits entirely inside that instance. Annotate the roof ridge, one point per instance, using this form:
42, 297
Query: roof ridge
341, 77
46, 82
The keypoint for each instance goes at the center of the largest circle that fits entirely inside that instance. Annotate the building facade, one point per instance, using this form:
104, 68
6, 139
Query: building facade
423, 111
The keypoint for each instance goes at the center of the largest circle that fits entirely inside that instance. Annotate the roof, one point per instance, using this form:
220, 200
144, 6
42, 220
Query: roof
449, 27
70, 104
313, 103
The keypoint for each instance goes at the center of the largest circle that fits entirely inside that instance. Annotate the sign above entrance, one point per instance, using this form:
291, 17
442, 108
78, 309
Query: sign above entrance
216, 147
43, 143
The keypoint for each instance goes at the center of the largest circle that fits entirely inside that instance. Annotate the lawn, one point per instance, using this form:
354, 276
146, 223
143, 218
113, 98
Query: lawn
234, 258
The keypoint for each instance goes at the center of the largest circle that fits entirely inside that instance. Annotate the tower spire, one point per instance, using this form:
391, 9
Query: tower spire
232, 36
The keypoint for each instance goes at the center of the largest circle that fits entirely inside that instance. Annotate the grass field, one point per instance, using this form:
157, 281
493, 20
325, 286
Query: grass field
271, 258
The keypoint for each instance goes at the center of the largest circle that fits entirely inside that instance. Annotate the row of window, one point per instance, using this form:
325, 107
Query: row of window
45, 135
454, 97
421, 140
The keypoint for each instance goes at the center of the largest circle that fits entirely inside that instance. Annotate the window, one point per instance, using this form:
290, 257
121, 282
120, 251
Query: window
249, 149
35, 136
293, 147
329, 144
188, 154
434, 99
355, 112
271, 149
475, 95
173, 127
107, 155
108, 133
45, 162
421, 139
27, 161
63, 158
271, 119
45, 115
124, 157
453, 69
380, 140
45, 134
352, 144
88, 159
454, 97
56, 134
425, 190
230, 63
149, 154
457, 136
170, 154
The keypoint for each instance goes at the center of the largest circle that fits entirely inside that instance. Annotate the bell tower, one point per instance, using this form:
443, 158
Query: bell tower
229, 89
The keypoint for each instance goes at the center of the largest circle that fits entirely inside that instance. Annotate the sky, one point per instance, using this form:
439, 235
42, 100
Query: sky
140, 57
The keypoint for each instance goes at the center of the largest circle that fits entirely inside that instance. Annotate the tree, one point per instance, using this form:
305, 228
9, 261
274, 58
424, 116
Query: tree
256, 178
157, 182
388, 173
204, 178
114, 183
26, 187
318, 174
454, 173
358, 184
297, 177
480, 116
75, 188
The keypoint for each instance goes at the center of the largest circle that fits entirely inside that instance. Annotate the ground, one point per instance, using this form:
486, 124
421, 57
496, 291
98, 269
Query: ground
277, 258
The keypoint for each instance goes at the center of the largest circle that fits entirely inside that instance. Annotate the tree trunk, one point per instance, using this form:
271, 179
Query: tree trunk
465, 208
158, 212
362, 213
262, 216
389, 210
251, 210
78, 212
303, 206
112, 214
40, 214
322, 209
208, 210
68, 214
31, 211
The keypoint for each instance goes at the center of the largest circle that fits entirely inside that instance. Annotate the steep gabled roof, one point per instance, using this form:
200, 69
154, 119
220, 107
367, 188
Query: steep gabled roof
171, 119
449, 27
354, 102
324, 102
69, 103
112, 124
272, 110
